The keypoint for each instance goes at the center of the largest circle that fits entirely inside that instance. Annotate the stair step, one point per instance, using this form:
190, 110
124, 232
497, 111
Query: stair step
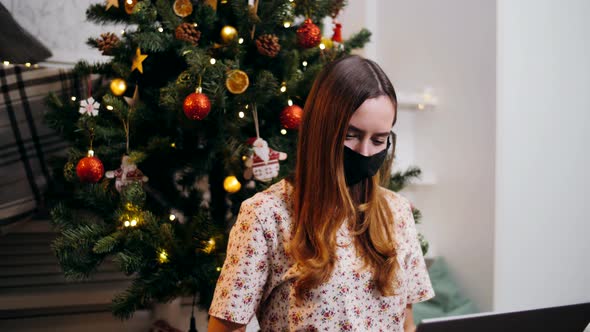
26, 238
38, 269
25, 249
49, 279
87, 321
71, 294
29, 226
53, 311
10, 260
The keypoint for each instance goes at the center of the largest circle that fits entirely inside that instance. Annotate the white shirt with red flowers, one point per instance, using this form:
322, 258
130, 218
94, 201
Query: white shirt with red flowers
257, 276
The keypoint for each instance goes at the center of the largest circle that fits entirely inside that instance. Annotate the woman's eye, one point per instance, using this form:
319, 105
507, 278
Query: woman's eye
378, 142
350, 136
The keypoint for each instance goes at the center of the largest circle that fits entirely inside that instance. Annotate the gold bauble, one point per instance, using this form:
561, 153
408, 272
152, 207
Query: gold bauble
118, 86
228, 33
327, 42
231, 184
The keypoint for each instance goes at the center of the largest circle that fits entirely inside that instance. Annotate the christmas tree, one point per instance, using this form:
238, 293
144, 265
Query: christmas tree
197, 110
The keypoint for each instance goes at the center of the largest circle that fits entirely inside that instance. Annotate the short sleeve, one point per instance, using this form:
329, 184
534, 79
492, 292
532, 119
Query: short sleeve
418, 285
244, 274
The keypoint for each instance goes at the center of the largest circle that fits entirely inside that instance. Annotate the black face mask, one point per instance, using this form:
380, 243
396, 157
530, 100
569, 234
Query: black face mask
358, 167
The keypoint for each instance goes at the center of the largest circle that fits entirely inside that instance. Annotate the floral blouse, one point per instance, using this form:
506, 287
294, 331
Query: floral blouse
257, 276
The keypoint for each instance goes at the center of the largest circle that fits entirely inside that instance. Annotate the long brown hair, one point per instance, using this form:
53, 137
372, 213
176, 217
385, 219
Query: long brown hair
322, 201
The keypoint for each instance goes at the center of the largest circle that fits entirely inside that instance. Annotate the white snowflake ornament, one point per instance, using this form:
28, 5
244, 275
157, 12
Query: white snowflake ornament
89, 107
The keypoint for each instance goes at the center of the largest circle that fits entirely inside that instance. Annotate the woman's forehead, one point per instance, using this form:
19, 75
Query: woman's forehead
375, 115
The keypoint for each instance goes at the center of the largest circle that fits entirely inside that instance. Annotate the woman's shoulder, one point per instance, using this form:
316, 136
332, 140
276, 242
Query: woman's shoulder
276, 199
403, 217
396, 200
277, 192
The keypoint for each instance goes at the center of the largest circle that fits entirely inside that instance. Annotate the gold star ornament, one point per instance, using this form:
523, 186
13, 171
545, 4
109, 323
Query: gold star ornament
111, 3
137, 61
132, 102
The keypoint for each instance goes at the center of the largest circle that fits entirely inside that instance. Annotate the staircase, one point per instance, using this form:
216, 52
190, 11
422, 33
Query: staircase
35, 296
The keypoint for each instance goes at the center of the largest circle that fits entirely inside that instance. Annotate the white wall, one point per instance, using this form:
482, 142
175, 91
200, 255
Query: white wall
543, 154
450, 46
61, 26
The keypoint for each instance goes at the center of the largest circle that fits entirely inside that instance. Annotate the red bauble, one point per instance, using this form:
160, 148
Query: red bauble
196, 106
309, 35
90, 169
291, 117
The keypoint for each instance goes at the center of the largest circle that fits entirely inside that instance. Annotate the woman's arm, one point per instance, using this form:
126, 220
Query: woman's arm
409, 325
222, 325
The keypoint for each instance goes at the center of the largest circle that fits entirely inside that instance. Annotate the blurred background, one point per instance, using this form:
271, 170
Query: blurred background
501, 137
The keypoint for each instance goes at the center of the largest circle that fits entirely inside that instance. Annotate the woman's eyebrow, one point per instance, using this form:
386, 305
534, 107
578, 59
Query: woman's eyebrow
355, 129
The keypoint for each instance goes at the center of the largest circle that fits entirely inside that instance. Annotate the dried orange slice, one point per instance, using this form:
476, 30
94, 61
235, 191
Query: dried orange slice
183, 8
237, 81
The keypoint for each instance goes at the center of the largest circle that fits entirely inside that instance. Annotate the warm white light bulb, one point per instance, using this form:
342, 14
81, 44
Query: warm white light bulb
241, 115
73, 98
213, 61
322, 46
290, 102
161, 29
172, 217
304, 63
284, 131
287, 24
241, 41
110, 108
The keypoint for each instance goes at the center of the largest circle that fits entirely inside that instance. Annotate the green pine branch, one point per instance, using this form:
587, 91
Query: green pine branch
401, 179
358, 40
74, 250
98, 14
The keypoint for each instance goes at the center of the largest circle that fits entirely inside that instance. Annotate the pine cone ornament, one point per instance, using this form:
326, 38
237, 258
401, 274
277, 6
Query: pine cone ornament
268, 45
107, 42
187, 32
336, 6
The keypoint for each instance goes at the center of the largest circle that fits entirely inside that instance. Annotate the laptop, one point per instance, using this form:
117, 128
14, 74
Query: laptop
574, 318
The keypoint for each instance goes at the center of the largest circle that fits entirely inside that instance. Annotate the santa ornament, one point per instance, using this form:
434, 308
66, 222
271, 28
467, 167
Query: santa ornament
126, 174
263, 164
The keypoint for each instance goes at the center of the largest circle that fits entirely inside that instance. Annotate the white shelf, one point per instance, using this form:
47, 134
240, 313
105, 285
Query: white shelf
417, 101
426, 179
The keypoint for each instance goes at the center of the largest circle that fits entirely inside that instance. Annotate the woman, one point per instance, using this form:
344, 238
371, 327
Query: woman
329, 249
